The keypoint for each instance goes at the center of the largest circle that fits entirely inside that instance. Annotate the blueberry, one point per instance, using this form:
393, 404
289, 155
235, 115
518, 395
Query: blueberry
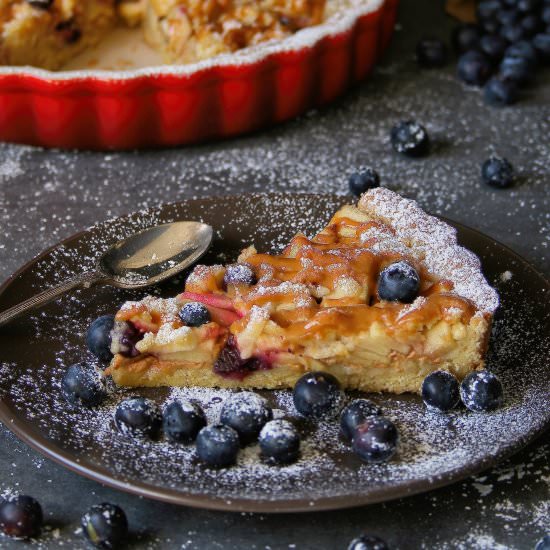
525, 50
474, 68
440, 391
360, 182
230, 364
527, 6
431, 52
239, 274
513, 32
368, 542
20, 517
516, 69
182, 421
399, 282
466, 37
508, 17
125, 336
246, 413
105, 525
98, 337
356, 413
545, 14
481, 391
490, 26
375, 440
218, 445
487, 9
531, 24
541, 43
279, 442
317, 394
194, 314
138, 417
543, 543
497, 172
410, 138
83, 385
493, 46
500, 92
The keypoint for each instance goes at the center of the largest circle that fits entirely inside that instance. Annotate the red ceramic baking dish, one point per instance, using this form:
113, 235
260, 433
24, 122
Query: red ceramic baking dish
174, 105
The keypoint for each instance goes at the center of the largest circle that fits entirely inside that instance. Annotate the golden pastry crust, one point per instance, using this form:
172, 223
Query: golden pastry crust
315, 307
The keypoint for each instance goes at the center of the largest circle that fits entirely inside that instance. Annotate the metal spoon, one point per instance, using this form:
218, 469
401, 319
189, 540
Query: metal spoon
142, 259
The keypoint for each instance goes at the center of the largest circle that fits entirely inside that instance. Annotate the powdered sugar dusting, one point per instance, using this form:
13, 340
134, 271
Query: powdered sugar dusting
433, 242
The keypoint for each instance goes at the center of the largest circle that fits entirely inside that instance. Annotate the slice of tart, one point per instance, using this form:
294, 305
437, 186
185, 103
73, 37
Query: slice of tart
379, 298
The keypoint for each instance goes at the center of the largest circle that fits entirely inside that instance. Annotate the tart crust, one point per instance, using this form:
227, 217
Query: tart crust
315, 307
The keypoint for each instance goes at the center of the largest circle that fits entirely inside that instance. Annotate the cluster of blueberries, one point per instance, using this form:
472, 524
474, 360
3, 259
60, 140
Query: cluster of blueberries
411, 139
501, 52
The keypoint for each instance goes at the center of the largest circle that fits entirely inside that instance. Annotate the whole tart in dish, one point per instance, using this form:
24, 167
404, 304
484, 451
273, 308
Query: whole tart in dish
322, 304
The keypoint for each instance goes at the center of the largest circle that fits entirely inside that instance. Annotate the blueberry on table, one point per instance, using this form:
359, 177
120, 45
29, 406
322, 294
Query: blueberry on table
356, 413
500, 93
440, 391
246, 413
124, 337
83, 385
497, 172
482, 391
375, 440
239, 274
360, 182
105, 526
20, 517
279, 442
368, 542
466, 37
474, 68
182, 421
194, 314
218, 445
410, 138
543, 543
431, 53
138, 417
399, 282
98, 337
318, 394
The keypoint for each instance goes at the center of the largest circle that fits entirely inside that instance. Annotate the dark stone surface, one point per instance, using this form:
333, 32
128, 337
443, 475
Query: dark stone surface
48, 195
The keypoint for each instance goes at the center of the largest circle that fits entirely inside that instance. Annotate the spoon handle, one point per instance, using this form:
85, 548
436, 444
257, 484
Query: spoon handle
87, 278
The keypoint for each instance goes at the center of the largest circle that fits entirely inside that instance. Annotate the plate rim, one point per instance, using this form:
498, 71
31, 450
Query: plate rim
50, 450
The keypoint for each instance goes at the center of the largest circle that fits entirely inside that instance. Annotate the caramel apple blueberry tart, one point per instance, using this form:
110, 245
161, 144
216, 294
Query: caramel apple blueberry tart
382, 297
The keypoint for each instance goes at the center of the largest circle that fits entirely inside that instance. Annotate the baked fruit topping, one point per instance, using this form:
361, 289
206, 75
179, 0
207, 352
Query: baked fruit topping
379, 299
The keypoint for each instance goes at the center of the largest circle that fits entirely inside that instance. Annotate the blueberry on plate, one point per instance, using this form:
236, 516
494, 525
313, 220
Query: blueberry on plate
138, 417
239, 274
497, 172
246, 413
375, 440
279, 442
543, 543
410, 138
218, 445
194, 314
493, 46
318, 394
356, 413
431, 53
399, 282
466, 37
124, 338
499, 92
481, 391
360, 182
20, 517
440, 391
98, 337
183, 420
105, 525
368, 542
83, 385
474, 68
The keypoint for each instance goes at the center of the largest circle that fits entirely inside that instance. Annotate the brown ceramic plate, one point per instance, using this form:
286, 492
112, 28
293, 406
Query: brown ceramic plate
435, 449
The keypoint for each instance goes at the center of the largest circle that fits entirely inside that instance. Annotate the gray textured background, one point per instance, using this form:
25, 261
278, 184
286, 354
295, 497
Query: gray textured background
48, 195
